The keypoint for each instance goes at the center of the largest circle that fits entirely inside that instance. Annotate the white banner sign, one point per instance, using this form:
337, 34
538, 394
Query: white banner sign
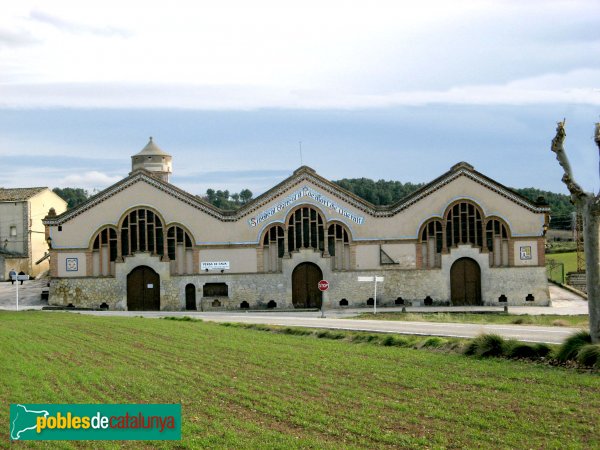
297, 195
214, 265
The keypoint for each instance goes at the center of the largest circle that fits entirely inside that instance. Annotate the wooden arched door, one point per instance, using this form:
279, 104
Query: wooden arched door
305, 290
190, 297
465, 283
143, 290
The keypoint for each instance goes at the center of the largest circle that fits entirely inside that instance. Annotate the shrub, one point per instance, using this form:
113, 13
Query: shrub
395, 341
542, 350
486, 345
521, 350
329, 335
296, 331
357, 338
569, 349
589, 355
433, 342
182, 319
560, 323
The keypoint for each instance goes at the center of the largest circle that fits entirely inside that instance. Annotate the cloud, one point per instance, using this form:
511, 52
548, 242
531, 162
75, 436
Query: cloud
574, 87
77, 28
90, 180
18, 38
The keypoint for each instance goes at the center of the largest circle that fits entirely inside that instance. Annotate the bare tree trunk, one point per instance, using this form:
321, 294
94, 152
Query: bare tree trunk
591, 243
589, 205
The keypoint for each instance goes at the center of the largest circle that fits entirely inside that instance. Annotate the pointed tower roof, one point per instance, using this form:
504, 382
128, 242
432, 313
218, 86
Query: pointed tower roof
151, 149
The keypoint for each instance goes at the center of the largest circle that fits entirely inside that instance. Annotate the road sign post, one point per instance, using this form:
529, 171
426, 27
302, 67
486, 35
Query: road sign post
18, 278
323, 286
375, 280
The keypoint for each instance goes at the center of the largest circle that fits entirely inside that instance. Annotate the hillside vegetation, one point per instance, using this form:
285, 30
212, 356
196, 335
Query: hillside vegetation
384, 192
380, 192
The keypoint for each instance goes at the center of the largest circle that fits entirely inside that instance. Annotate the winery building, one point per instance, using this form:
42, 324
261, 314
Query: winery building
144, 244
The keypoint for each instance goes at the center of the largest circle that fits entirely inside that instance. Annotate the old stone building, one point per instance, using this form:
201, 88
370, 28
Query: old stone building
144, 244
23, 246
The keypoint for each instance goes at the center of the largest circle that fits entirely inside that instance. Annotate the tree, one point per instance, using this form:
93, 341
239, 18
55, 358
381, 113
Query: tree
210, 196
245, 196
589, 206
73, 196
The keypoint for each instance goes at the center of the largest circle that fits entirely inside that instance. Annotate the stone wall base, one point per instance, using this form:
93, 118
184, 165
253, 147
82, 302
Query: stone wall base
578, 281
499, 286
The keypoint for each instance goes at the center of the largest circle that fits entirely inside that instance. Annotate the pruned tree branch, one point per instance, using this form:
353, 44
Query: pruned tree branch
577, 194
597, 139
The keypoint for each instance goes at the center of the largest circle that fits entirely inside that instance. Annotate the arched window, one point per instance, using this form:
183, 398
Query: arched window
104, 252
464, 225
273, 249
142, 231
305, 230
496, 236
431, 242
180, 250
338, 247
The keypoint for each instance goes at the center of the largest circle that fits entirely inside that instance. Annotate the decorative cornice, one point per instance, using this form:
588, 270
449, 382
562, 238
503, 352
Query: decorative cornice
473, 175
302, 175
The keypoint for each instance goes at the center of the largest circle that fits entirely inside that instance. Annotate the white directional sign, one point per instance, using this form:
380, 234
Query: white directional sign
374, 280
214, 265
378, 279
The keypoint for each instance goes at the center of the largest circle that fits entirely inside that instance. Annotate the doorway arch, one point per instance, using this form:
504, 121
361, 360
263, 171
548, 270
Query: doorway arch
465, 282
305, 291
143, 289
190, 297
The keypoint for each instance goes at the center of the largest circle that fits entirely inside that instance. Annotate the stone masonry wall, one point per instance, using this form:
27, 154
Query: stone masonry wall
86, 292
258, 289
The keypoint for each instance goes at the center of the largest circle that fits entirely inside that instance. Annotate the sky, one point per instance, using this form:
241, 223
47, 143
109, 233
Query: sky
243, 93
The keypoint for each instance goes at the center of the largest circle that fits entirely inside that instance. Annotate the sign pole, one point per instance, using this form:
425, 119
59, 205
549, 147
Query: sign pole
323, 286
17, 294
375, 279
375, 297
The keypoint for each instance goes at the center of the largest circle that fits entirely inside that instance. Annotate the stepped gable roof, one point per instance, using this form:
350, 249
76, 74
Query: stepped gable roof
299, 176
151, 149
19, 194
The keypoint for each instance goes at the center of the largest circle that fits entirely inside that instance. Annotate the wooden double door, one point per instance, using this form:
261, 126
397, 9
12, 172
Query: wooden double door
305, 290
143, 290
465, 283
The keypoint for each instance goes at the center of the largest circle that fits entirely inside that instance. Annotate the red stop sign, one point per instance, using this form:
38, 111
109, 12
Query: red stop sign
323, 285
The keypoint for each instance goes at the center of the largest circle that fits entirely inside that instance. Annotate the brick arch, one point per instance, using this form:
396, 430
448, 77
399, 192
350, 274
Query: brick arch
184, 228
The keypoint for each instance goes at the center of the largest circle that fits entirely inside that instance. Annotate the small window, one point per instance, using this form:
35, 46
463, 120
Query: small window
215, 290
13, 231
343, 302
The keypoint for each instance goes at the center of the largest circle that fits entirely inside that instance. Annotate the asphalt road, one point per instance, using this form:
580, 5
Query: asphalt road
550, 335
563, 302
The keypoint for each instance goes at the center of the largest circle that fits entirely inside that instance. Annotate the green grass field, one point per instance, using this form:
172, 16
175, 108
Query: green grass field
244, 388
581, 321
570, 264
